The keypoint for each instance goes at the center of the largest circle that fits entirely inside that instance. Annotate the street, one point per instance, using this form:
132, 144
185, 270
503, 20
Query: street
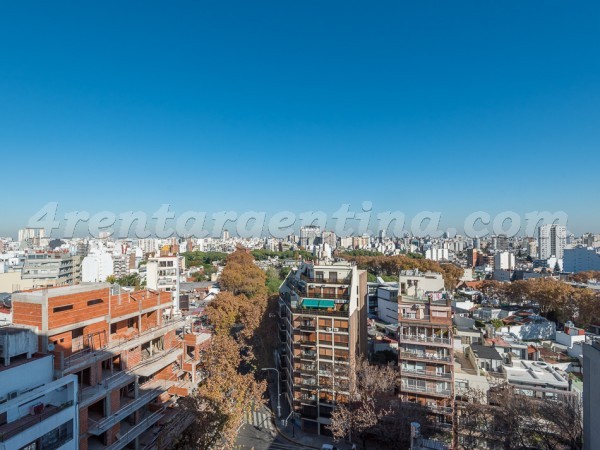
259, 433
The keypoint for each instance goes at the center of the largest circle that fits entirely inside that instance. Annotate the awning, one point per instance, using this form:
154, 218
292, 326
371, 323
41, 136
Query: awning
316, 303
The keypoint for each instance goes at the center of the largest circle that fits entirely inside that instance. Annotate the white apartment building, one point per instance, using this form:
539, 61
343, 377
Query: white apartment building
581, 259
504, 261
552, 239
415, 283
96, 268
36, 411
437, 254
162, 272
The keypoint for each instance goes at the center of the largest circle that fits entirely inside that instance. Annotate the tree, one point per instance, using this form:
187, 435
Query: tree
370, 389
242, 276
392, 265
510, 420
372, 410
219, 404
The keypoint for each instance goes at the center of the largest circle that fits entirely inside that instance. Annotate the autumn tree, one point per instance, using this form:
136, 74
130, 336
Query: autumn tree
244, 338
392, 265
219, 403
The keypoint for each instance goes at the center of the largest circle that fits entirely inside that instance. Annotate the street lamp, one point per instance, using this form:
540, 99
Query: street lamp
278, 394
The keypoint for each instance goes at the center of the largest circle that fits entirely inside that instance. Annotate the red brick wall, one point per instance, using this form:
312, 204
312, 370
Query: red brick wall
115, 400
80, 312
134, 357
64, 346
83, 422
83, 443
100, 333
171, 340
27, 314
165, 373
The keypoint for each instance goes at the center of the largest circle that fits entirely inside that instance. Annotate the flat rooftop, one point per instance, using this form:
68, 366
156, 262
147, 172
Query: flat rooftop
535, 373
58, 291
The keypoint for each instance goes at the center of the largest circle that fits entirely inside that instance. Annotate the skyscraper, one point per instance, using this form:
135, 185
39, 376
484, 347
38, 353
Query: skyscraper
552, 239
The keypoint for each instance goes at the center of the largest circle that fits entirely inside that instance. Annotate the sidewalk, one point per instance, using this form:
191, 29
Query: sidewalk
294, 433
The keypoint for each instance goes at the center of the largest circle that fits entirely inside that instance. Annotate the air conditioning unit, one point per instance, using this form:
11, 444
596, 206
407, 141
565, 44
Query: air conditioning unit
328, 329
335, 329
12, 395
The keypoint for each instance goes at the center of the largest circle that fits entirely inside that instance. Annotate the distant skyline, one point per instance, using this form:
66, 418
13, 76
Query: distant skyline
271, 106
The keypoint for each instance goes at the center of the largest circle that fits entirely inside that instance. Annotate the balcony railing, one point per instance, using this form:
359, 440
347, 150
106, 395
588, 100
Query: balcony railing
136, 430
347, 280
11, 429
426, 390
99, 427
426, 373
427, 339
425, 356
84, 355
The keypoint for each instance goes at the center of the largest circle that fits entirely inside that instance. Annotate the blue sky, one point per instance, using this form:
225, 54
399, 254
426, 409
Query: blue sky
444, 106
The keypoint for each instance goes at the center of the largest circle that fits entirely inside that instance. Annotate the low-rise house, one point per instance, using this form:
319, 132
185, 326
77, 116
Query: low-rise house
485, 357
508, 345
465, 333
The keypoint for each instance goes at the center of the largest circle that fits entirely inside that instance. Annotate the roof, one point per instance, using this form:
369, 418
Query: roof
485, 352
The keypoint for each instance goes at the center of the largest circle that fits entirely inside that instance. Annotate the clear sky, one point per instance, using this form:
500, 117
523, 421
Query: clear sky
444, 106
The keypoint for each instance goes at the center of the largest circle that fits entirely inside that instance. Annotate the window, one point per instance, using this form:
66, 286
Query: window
95, 302
62, 308
57, 437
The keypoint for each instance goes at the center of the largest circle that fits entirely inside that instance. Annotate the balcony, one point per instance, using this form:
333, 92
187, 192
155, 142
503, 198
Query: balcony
9, 430
307, 326
98, 427
329, 280
422, 356
309, 383
426, 374
129, 433
438, 392
308, 355
426, 339
308, 369
88, 356
89, 395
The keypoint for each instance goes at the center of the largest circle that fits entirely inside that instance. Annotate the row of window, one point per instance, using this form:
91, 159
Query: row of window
62, 308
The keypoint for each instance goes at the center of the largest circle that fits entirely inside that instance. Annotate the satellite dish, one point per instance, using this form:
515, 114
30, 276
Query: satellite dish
50, 347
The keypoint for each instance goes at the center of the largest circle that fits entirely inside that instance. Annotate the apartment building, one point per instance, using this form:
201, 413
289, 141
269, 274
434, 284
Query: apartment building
36, 411
127, 356
323, 316
425, 352
47, 269
162, 272
552, 239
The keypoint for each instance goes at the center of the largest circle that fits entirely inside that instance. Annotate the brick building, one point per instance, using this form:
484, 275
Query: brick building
128, 355
323, 317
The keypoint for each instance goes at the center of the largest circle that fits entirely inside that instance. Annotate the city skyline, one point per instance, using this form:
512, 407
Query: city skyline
212, 108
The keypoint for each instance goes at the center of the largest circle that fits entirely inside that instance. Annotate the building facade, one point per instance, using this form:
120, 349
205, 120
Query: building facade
425, 354
127, 356
552, 239
36, 411
323, 316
